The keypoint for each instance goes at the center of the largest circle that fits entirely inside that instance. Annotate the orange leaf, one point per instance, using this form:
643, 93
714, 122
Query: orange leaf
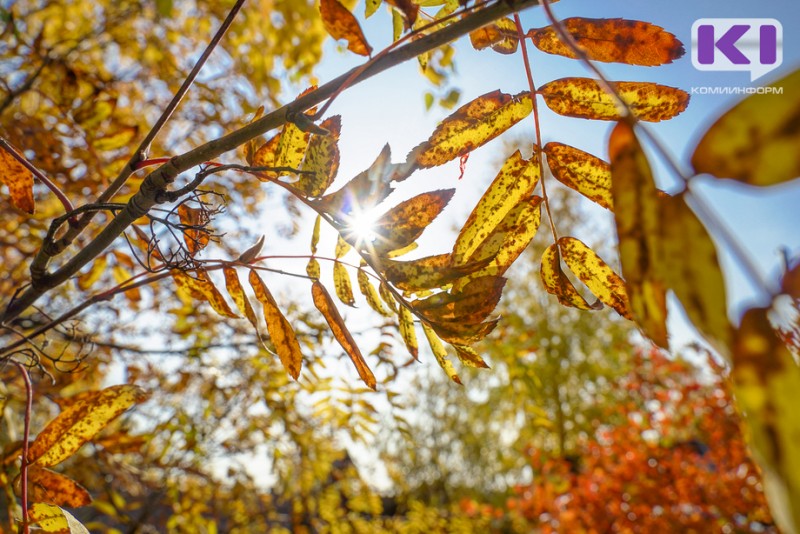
341, 24
50, 487
586, 99
200, 287
500, 35
403, 224
19, 181
324, 303
280, 331
235, 290
612, 40
195, 235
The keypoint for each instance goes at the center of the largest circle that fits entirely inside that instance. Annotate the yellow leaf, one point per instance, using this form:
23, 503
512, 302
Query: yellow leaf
387, 296
429, 272
50, 487
371, 7
200, 287
342, 248
324, 303
691, 269
195, 234
636, 212
370, 293
342, 284
556, 282
586, 99
407, 332
266, 156
457, 333
118, 139
90, 277
581, 171
501, 35
612, 40
469, 357
280, 331
54, 520
467, 306
440, 353
121, 276
755, 142
606, 285
473, 125
315, 236
341, 24
515, 181
235, 290
80, 422
321, 159
403, 224
19, 181
291, 149
312, 269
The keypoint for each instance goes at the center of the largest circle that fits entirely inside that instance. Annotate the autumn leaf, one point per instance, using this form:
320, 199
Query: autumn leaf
90, 277
280, 331
586, 99
50, 487
407, 332
471, 126
81, 422
636, 212
369, 292
53, 520
470, 305
342, 284
500, 35
324, 303
556, 282
122, 276
440, 353
315, 235
612, 40
408, 9
122, 137
201, 287
341, 24
458, 333
515, 181
603, 282
469, 357
756, 141
312, 269
427, 273
266, 156
19, 181
403, 224
321, 161
194, 221
691, 269
235, 290
581, 171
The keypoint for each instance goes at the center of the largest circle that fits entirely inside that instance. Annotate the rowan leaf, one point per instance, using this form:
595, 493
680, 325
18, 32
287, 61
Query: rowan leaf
201, 287
371, 7
403, 224
50, 487
81, 422
458, 333
408, 9
429, 272
470, 305
500, 35
756, 141
291, 149
342, 247
636, 213
90, 277
407, 332
195, 235
121, 276
556, 282
581, 171
515, 181
53, 520
387, 296
469, 357
324, 303
266, 156
440, 353
315, 235
19, 181
342, 284
280, 331
586, 99
471, 126
312, 269
120, 138
370, 293
601, 279
341, 24
612, 40
691, 269
321, 159
235, 290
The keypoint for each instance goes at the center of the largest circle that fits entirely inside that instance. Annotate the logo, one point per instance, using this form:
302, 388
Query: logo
754, 45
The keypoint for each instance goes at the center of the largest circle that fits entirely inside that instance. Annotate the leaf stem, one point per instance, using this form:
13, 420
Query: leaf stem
23, 470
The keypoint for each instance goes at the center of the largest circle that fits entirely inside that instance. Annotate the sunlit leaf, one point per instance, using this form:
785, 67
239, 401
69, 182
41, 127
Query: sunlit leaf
407, 332
440, 353
122, 275
341, 24
403, 224
280, 331
266, 156
79, 423
370, 293
315, 235
50, 487
581, 171
291, 149
324, 303
515, 181
201, 287
321, 160
612, 40
427, 273
122, 137
19, 181
53, 520
556, 282
636, 212
408, 9
755, 142
387, 297
342, 284
90, 277
691, 269
312, 269
342, 247
458, 333
601, 279
371, 7
195, 235
472, 125
470, 357
585, 98
468, 306
235, 290
501, 35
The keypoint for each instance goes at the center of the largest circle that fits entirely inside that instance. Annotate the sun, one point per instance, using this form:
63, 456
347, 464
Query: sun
361, 228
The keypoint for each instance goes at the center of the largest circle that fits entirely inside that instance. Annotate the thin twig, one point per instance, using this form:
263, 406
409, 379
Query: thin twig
23, 470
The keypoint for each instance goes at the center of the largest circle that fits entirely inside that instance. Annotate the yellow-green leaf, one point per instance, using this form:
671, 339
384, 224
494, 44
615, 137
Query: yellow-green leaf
472, 125
586, 99
50, 487
556, 282
601, 279
54, 520
19, 181
515, 181
324, 303
342, 284
755, 142
371, 7
280, 331
235, 290
612, 40
440, 353
403, 224
370, 293
200, 287
407, 332
118, 139
321, 159
315, 235
80, 422
636, 212
581, 171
